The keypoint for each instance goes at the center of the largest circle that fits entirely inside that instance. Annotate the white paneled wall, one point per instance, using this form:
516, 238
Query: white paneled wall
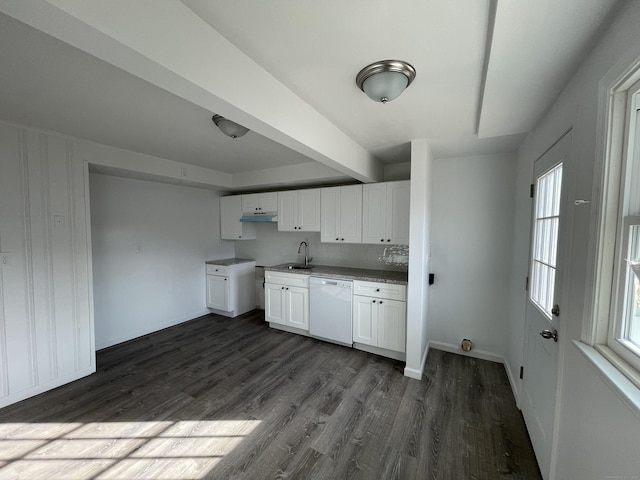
46, 325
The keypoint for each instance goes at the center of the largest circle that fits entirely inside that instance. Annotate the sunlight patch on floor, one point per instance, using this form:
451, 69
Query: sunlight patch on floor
118, 450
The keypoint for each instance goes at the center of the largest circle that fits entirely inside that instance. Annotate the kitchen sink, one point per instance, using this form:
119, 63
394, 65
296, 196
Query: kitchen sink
298, 266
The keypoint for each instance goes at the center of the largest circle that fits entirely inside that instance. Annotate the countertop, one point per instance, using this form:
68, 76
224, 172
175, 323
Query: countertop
225, 262
365, 274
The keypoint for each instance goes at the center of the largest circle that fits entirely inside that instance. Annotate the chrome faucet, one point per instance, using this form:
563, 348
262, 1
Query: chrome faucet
306, 252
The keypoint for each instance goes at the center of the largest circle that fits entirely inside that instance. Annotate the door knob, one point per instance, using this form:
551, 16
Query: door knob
555, 311
547, 334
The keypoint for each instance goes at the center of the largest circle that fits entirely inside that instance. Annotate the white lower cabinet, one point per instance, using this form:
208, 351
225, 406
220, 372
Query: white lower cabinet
231, 287
218, 292
286, 298
380, 315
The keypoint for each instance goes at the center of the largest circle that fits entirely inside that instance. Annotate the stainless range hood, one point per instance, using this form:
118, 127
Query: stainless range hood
259, 217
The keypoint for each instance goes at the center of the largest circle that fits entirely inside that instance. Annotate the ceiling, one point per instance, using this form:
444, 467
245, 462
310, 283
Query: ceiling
486, 73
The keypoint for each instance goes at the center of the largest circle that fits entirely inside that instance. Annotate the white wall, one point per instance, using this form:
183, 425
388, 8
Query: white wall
272, 247
150, 241
46, 329
418, 290
471, 225
597, 435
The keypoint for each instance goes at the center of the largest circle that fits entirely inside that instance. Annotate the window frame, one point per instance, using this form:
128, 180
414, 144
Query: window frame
620, 127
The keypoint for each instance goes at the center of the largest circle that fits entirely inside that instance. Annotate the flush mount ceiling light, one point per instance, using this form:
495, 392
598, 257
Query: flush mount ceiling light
385, 80
229, 128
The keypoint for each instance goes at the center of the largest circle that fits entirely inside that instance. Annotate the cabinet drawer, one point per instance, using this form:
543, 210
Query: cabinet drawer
391, 291
290, 279
217, 270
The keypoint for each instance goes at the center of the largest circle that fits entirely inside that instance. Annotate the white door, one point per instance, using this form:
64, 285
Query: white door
309, 210
274, 303
374, 213
351, 214
287, 211
398, 195
365, 320
330, 214
392, 325
538, 398
218, 293
297, 307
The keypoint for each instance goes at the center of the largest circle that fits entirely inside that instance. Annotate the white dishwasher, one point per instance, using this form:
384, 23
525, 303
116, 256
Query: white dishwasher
330, 310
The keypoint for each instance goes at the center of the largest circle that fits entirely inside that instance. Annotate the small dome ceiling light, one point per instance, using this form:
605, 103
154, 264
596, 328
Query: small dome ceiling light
229, 128
385, 80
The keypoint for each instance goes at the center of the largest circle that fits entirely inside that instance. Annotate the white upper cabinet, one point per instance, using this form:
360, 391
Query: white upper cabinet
341, 214
260, 202
231, 228
385, 212
299, 210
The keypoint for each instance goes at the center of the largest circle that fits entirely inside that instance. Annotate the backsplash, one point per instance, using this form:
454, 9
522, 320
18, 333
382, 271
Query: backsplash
272, 247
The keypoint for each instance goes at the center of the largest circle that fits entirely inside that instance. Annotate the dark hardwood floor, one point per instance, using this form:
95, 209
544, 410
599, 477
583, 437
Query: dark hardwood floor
232, 399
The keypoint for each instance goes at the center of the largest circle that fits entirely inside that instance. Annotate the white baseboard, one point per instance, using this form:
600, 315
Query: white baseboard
513, 381
150, 329
417, 374
38, 389
481, 354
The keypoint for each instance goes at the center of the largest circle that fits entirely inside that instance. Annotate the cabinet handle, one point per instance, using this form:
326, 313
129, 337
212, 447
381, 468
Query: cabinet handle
337, 239
343, 239
382, 239
239, 236
374, 301
281, 288
380, 302
388, 239
377, 289
287, 288
225, 279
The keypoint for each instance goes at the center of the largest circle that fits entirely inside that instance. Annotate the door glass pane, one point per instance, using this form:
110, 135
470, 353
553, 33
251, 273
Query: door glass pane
632, 310
545, 239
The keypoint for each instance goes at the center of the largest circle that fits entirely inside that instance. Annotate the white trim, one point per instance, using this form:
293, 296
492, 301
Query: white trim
610, 372
481, 354
612, 97
417, 374
513, 381
383, 352
38, 389
156, 327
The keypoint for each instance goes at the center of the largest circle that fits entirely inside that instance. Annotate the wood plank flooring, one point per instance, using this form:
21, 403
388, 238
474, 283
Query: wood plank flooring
228, 398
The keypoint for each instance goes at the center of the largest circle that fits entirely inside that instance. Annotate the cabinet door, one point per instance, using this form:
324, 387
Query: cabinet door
365, 327
309, 210
251, 202
374, 213
230, 213
274, 309
269, 202
218, 293
330, 214
230, 226
297, 305
350, 223
392, 325
287, 211
398, 194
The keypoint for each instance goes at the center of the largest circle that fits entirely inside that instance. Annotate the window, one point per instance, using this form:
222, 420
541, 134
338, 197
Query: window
617, 333
545, 239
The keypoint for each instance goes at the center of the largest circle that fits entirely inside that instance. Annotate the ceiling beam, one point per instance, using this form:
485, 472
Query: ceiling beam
168, 45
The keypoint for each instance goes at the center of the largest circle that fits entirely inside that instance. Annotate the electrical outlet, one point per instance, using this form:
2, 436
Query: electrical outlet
6, 259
